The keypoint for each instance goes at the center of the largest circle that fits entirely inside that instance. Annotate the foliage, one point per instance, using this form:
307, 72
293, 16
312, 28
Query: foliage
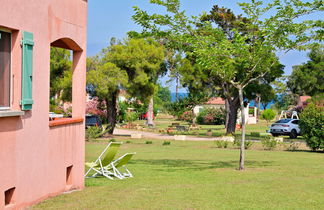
166, 143
148, 142
312, 126
211, 116
96, 107
182, 105
248, 55
187, 116
268, 115
308, 78
269, 143
142, 59
247, 144
93, 132
284, 97
221, 144
131, 117
162, 98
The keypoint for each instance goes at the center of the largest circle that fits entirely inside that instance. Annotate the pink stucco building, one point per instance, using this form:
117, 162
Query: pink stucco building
39, 158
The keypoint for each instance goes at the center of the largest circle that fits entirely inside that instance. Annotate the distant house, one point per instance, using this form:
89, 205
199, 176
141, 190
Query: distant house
218, 102
215, 102
302, 101
39, 158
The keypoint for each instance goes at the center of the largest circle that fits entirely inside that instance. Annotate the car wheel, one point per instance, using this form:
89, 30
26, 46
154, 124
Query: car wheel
293, 134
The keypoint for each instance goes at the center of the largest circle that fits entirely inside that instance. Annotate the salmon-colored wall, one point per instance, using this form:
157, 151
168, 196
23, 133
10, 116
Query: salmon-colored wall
33, 155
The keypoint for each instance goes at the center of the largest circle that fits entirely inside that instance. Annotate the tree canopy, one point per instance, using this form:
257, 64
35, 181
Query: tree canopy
308, 78
247, 55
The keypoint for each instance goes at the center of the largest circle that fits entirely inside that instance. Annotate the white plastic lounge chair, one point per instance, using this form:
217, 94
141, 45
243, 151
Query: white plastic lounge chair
104, 159
114, 167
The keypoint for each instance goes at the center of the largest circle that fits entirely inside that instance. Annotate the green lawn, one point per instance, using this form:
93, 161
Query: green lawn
197, 175
218, 130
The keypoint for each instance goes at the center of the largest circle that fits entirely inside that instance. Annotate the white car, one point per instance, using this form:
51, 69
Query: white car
288, 127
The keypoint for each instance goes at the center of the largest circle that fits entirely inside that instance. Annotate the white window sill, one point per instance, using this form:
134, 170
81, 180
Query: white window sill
11, 113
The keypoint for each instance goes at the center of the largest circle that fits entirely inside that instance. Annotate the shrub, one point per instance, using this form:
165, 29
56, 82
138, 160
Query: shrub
166, 143
269, 143
247, 144
148, 142
131, 117
112, 140
211, 116
312, 126
93, 132
268, 115
221, 144
187, 116
128, 142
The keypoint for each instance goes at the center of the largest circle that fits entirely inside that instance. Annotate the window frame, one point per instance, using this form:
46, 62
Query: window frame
10, 72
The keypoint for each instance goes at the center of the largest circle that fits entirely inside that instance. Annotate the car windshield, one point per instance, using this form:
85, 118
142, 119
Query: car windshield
92, 119
284, 121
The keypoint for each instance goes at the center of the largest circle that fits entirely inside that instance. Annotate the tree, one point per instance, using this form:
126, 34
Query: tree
311, 125
268, 115
106, 80
162, 97
245, 58
308, 78
143, 60
60, 75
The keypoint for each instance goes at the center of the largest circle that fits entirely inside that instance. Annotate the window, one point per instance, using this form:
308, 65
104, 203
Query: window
5, 61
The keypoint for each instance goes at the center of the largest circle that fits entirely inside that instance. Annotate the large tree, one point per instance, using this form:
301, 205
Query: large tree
105, 80
143, 60
246, 57
308, 78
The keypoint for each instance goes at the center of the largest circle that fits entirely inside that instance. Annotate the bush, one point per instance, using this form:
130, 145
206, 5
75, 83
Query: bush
128, 142
269, 143
211, 116
166, 143
131, 117
221, 144
312, 126
247, 144
268, 115
148, 142
112, 140
187, 116
93, 132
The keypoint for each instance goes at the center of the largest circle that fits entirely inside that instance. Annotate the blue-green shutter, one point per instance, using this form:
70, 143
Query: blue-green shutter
27, 71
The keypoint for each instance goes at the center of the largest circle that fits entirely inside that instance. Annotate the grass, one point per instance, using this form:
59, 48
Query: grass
197, 175
218, 130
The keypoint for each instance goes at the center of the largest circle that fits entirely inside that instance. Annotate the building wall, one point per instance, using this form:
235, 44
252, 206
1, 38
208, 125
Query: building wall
34, 156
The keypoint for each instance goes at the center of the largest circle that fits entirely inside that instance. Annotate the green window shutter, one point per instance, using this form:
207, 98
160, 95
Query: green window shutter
27, 71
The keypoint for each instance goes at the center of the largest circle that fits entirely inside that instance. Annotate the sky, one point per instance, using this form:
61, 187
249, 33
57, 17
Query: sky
113, 18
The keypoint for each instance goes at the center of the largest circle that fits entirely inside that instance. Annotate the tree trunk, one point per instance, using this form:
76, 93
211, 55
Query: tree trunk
242, 148
259, 106
177, 87
111, 112
231, 115
150, 113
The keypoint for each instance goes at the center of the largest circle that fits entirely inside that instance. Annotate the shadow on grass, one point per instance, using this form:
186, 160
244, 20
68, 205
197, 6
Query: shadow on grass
198, 165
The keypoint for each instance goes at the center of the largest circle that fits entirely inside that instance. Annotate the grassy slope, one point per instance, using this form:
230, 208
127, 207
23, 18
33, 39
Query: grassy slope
196, 175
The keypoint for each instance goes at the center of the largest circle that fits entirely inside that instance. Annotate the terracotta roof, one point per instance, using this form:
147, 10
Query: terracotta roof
216, 101
303, 99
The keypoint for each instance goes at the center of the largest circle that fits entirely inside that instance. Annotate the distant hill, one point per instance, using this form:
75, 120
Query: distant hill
181, 95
